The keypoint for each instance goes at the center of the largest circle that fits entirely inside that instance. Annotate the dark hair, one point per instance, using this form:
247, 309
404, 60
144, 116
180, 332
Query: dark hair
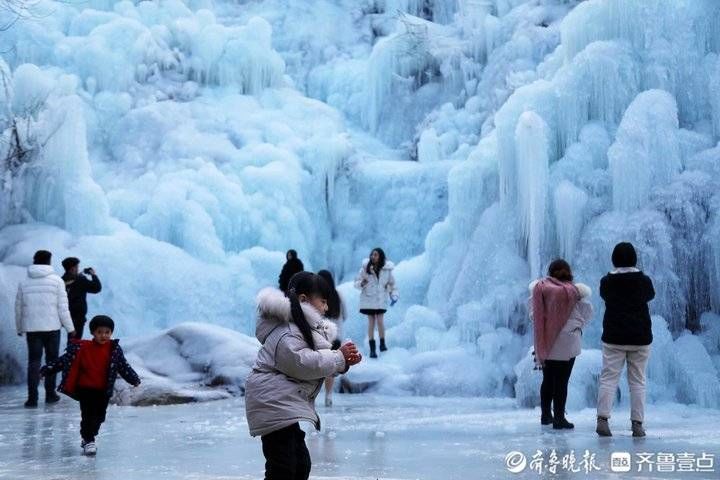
101, 321
304, 283
333, 298
624, 255
70, 262
381, 264
292, 253
559, 269
42, 257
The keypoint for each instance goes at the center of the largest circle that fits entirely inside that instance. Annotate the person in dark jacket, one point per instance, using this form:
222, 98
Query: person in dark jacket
292, 266
626, 337
89, 371
77, 287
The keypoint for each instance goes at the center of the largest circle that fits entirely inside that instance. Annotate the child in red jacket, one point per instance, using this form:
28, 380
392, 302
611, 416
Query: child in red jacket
89, 370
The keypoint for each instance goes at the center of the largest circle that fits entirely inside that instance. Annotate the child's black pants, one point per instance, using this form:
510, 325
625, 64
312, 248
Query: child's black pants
93, 406
286, 455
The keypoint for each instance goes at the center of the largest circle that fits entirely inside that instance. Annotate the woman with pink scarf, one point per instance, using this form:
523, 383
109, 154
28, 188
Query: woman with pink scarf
559, 309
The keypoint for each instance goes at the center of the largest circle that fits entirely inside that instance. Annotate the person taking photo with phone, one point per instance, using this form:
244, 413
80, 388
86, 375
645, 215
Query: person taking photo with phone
77, 286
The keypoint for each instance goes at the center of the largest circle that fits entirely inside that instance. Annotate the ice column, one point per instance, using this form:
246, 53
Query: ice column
531, 147
570, 202
646, 152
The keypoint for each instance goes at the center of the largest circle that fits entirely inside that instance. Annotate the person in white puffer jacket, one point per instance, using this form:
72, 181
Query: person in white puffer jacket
41, 309
376, 283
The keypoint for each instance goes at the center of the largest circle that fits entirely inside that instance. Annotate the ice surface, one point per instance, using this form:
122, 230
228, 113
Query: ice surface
363, 437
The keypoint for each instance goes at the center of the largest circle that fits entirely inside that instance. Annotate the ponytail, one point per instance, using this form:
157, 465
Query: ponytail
304, 283
298, 318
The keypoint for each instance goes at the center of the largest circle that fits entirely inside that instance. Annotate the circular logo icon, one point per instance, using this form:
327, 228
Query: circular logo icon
515, 462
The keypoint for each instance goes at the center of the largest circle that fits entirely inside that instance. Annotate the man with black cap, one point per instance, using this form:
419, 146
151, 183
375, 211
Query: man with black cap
78, 286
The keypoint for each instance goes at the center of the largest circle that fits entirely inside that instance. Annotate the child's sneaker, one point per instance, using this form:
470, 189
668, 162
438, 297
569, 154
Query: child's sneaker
89, 449
328, 401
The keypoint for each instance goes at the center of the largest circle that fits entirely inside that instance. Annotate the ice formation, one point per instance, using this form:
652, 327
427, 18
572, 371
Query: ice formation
180, 147
187, 363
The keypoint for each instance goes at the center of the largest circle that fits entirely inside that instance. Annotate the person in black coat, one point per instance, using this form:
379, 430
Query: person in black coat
292, 266
78, 286
626, 337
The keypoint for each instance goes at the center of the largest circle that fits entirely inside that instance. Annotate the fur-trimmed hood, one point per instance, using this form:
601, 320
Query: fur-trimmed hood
388, 264
274, 308
584, 290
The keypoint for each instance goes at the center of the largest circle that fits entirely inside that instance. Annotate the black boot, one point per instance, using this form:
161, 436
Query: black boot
562, 424
372, 349
383, 348
546, 418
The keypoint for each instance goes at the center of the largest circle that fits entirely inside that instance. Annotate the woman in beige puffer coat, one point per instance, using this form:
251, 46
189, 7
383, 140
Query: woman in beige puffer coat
294, 360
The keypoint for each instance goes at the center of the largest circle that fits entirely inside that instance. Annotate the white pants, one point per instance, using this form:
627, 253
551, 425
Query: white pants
614, 357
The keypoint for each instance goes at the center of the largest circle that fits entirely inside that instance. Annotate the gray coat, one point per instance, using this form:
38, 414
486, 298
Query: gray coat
288, 374
569, 341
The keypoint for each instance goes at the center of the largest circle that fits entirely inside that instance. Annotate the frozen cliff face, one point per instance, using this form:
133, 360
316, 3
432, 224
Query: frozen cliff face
630, 129
182, 147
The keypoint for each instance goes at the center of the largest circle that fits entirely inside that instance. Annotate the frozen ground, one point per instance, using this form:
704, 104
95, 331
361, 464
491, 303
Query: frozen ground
364, 436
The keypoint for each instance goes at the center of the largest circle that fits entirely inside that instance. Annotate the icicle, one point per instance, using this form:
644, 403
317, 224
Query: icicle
539, 97
713, 76
646, 152
399, 55
570, 202
597, 85
86, 210
473, 15
531, 139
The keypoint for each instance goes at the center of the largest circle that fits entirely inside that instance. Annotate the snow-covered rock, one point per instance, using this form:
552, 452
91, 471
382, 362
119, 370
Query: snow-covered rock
191, 362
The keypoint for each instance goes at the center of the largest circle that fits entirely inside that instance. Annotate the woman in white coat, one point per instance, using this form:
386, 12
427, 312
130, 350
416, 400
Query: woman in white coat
376, 283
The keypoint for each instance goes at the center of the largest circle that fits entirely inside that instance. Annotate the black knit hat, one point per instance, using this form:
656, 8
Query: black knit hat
624, 255
101, 321
70, 262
